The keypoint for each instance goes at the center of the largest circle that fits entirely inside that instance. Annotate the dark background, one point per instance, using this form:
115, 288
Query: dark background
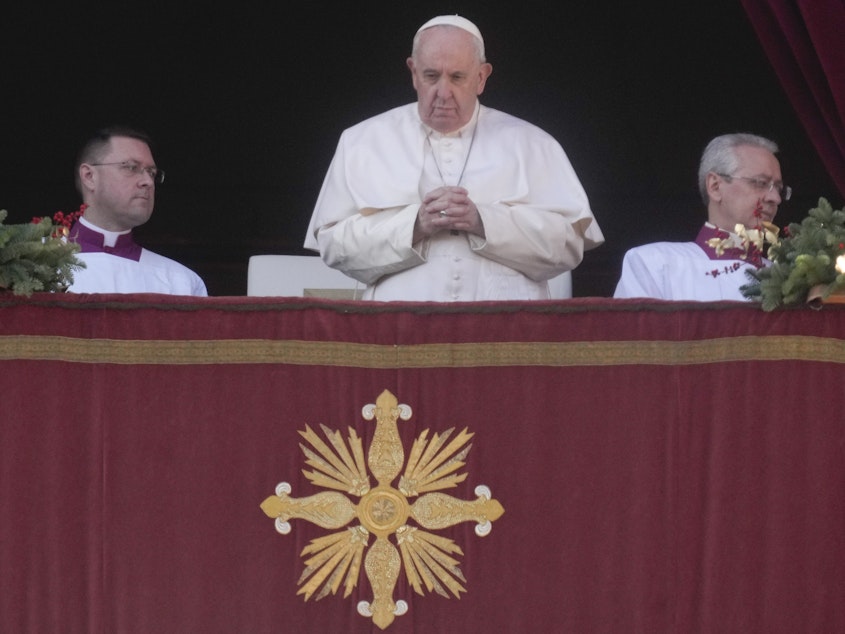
246, 105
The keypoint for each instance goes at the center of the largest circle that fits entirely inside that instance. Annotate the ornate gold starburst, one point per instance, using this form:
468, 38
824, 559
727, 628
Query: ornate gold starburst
428, 559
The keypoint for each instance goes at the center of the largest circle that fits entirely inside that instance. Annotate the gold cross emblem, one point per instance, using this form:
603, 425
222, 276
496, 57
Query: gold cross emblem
383, 511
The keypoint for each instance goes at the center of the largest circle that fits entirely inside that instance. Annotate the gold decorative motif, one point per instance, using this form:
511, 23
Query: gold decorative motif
548, 354
428, 559
747, 240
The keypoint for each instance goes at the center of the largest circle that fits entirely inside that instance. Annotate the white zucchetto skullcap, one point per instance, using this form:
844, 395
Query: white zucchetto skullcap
453, 20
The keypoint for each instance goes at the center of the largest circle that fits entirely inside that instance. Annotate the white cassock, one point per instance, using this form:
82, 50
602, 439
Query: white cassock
684, 271
116, 264
536, 215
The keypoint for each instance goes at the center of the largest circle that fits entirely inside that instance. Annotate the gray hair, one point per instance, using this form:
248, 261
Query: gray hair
720, 156
478, 44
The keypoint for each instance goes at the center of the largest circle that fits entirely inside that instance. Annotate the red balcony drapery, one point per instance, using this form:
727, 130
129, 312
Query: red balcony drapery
664, 467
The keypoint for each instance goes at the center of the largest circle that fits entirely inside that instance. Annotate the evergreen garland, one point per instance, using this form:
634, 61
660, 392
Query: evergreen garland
33, 257
803, 260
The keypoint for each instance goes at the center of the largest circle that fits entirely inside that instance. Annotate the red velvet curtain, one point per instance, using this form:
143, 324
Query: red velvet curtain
804, 42
665, 468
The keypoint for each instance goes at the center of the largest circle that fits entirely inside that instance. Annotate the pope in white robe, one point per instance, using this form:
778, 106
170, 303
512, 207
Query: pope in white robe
536, 217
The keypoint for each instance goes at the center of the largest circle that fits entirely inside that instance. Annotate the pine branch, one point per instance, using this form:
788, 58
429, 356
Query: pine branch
804, 259
33, 259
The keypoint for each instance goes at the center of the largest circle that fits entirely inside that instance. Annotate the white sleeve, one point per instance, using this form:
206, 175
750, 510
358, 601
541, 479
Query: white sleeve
367, 247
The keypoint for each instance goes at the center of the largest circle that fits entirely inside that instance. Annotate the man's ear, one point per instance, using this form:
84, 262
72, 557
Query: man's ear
485, 71
714, 186
87, 177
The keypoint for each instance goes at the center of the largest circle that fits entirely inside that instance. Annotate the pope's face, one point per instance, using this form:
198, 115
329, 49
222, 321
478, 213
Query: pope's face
448, 77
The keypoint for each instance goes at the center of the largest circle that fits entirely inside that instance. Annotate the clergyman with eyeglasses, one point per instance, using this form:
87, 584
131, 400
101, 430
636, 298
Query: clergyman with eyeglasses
740, 183
117, 177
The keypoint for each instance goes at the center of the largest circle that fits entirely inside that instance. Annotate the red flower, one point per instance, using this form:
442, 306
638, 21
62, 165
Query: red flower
62, 221
60, 218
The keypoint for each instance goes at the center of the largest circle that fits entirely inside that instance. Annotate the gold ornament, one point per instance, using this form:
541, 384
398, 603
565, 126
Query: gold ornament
428, 559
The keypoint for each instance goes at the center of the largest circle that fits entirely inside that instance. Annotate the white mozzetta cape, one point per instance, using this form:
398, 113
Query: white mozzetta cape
536, 215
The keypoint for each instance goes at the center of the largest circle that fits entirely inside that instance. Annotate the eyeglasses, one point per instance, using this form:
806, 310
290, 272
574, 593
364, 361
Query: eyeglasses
764, 185
130, 168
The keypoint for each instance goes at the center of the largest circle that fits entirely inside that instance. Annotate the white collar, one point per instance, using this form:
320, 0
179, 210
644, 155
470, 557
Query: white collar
109, 237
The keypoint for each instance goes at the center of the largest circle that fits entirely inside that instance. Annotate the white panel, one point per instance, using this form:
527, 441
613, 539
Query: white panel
297, 276
308, 276
560, 287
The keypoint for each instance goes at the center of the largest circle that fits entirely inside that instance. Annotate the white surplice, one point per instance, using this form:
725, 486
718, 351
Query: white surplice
690, 271
115, 263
